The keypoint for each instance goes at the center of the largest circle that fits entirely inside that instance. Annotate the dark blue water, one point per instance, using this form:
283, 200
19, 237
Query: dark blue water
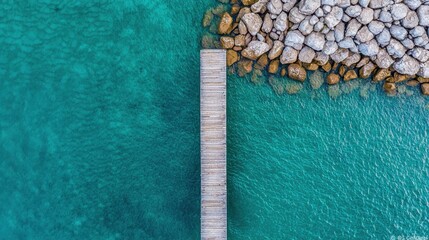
99, 136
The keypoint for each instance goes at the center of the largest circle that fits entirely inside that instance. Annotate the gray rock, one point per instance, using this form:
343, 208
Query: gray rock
364, 3
420, 54
255, 49
305, 27
424, 70
343, 3
347, 43
289, 55
267, 26
294, 39
383, 59
385, 17
330, 47
399, 11
274, 36
354, 11
398, 32
313, 20
334, 17
295, 16
281, 22
330, 36
423, 13
315, 41
364, 35
396, 49
407, 65
339, 55
352, 28
422, 40
370, 48
408, 43
383, 38
366, 16
327, 9
330, 2
259, 6
413, 4
346, 18
308, 7
378, 3
321, 58
275, 7
411, 20
319, 12
417, 31
318, 26
306, 55
276, 50
352, 59
288, 4
375, 27
253, 22
339, 32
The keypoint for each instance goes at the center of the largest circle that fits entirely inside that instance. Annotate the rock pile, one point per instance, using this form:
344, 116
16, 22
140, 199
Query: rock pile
386, 39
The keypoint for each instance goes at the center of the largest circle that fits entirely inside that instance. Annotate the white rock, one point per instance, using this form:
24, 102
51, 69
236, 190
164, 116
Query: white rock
326, 9
343, 3
339, 55
253, 22
281, 22
366, 16
423, 13
352, 28
294, 39
375, 27
370, 48
267, 26
413, 4
295, 16
385, 17
399, 11
424, 70
330, 36
288, 5
289, 55
347, 43
378, 3
305, 27
275, 7
313, 20
319, 12
384, 60
339, 32
364, 35
330, 47
242, 28
315, 41
346, 18
352, 59
259, 6
255, 49
276, 50
395, 49
354, 11
318, 26
334, 17
422, 40
364, 3
383, 38
417, 31
420, 54
306, 55
411, 20
398, 32
330, 2
308, 7
408, 43
407, 65
321, 58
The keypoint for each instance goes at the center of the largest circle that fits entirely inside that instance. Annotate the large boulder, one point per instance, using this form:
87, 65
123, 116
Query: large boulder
294, 39
253, 22
407, 65
255, 49
289, 55
315, 40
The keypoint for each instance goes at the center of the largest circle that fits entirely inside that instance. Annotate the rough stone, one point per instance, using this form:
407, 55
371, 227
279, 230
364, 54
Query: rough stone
350, 75
339, 55
276, 50
399, 11
253, 22
407, 65
423, 13
398, 32
376, 27
275, 7
384, 60
294, 39
370, 48
231, 57
306, 55
334, 17
225, 24
332, 79
315, 41
297, 72
308, 7
289, 55
281, 22
396, 49
364, 35
255, 49
366, 16
267, 26
411, 20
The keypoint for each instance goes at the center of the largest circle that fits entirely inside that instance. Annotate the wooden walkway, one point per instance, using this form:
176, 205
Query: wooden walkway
213, 144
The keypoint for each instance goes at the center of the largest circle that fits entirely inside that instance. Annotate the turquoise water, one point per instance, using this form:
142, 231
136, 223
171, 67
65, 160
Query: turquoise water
98, 136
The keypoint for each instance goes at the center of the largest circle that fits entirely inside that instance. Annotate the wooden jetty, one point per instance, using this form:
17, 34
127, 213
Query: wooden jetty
213, 144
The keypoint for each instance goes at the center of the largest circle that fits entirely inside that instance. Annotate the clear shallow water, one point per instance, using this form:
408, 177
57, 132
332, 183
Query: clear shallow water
98, 136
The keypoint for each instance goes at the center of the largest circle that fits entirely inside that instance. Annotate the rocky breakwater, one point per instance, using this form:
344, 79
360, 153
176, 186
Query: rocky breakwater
385, 40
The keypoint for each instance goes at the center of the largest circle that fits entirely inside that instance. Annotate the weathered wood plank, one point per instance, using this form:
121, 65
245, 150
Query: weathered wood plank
213, 144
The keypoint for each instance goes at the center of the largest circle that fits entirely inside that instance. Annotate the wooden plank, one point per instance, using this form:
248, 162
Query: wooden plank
213, 144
